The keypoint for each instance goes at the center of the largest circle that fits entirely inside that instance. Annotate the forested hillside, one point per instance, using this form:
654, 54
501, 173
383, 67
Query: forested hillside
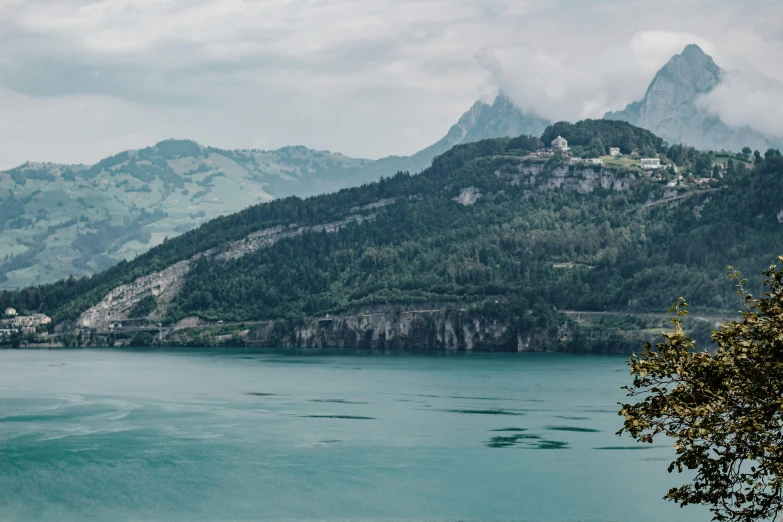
487, 222
60, 220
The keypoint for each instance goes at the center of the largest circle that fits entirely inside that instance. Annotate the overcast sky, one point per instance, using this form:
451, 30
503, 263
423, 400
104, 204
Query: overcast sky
82, 79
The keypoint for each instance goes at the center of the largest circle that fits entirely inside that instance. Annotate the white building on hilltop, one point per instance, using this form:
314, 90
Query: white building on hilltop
614, 151
560, 143
10, 312
651, 163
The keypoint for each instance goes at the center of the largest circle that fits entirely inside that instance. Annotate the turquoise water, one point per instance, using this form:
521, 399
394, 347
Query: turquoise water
239, 435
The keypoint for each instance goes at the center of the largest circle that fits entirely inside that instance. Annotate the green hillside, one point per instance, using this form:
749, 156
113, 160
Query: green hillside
487, 222
61, 220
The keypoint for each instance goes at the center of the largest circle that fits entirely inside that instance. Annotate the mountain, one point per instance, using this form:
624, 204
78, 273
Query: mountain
58, 220
479, 251
61, 220
482, 121
670, 107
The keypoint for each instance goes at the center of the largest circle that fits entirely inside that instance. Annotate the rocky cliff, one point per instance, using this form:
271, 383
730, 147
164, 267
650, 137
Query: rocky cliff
417, 328
583, 180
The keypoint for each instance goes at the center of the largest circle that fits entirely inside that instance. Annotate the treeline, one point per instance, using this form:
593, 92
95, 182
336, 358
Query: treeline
593, 138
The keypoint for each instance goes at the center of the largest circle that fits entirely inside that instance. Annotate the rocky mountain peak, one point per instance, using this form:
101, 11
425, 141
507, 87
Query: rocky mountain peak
692, 70
671, 109
502, 100
502, 118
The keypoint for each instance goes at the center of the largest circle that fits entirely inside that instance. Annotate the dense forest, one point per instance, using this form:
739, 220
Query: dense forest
598, 250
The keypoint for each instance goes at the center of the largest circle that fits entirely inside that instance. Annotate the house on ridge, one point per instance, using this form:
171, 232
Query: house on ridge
560, 143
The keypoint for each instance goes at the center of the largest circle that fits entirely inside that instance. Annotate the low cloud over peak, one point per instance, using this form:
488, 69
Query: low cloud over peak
748, 98
566, 83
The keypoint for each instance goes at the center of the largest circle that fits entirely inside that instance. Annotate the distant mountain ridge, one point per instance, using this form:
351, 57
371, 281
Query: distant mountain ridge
60, 220
671, 110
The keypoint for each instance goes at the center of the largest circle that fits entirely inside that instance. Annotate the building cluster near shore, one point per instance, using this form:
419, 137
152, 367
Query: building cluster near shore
13, 323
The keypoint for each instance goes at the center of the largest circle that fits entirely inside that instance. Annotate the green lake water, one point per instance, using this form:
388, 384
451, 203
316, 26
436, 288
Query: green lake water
191, 435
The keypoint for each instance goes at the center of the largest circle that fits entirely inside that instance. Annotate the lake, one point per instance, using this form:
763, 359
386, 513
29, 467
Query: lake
209, 434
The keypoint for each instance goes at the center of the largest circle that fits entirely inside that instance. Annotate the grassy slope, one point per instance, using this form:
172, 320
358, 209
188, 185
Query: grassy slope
61, 209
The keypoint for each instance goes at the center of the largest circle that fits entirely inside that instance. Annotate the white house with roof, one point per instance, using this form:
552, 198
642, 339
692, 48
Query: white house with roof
10, 312
560, 143
650, 163
614, 151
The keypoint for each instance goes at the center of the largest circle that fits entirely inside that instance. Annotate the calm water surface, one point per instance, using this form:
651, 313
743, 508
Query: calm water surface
269, 435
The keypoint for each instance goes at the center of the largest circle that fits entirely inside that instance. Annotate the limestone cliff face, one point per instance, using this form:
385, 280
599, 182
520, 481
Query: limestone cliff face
579, 179
413, 329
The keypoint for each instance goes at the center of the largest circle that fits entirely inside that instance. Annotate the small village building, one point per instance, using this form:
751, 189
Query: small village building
10, 312
651, 163
671, 184
614, 151
560, 143
595, 161
31, 320
574, 161
41, 319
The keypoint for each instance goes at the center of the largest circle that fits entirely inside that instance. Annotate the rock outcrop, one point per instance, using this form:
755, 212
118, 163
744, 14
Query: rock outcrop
541, 177
468, 196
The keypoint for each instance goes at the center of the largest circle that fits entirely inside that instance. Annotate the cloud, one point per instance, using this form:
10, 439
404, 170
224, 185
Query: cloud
745, 98
82, 79
573, 83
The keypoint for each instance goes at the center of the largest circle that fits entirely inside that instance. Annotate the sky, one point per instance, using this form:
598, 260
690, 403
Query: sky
82, 79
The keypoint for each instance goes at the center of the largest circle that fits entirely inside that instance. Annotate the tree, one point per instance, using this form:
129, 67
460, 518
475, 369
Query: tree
724, 409
746, 151
703, 165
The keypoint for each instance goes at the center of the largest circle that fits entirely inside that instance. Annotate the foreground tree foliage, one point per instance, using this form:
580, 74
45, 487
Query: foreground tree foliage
724, 409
